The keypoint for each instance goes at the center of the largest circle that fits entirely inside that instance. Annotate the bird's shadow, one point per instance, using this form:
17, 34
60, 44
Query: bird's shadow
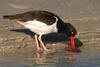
53, 37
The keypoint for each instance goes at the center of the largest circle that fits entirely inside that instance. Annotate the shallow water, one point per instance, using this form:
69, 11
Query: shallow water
89, 57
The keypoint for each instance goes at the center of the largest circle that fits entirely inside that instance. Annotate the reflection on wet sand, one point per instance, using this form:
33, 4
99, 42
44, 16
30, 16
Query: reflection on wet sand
41, 57
56, 59
71, 57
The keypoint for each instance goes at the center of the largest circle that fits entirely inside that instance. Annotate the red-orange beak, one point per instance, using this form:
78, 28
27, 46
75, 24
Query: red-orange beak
73, 46
72, 42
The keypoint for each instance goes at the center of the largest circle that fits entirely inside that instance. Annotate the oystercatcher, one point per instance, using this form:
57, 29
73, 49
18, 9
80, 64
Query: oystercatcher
41, 23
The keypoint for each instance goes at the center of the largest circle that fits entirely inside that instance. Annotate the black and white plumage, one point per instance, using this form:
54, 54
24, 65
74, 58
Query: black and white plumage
41, 23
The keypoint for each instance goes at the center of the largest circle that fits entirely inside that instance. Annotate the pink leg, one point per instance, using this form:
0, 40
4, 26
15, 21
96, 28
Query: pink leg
37, 42
42, 44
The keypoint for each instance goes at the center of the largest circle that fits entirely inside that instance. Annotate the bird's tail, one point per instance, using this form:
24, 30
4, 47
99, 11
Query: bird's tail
8, 17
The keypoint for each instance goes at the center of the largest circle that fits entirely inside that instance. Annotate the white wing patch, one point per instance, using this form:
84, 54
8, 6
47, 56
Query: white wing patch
39, 27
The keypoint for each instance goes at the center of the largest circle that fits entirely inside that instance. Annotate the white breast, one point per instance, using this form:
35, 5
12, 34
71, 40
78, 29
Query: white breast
40, 27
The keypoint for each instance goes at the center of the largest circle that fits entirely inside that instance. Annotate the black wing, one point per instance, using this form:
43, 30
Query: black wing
44, 16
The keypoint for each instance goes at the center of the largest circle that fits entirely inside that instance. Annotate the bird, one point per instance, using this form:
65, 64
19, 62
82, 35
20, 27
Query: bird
42, 22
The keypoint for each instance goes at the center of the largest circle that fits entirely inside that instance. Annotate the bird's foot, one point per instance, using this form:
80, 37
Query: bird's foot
40, 49
45, 51
49, 50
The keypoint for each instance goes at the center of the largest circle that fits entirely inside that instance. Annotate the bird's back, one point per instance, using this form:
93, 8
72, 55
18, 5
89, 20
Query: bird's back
43, 16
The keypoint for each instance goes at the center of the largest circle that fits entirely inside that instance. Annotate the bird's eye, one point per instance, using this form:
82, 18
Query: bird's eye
72, 33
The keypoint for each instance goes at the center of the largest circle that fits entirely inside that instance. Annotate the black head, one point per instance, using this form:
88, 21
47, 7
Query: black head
69, 30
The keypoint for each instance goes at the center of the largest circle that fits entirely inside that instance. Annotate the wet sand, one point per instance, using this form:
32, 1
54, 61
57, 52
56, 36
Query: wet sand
17, 45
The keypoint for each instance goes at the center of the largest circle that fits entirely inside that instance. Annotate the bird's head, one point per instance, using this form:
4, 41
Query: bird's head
69, 30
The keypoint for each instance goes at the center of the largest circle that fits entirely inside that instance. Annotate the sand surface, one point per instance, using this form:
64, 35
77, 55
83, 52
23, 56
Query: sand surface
17, 45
